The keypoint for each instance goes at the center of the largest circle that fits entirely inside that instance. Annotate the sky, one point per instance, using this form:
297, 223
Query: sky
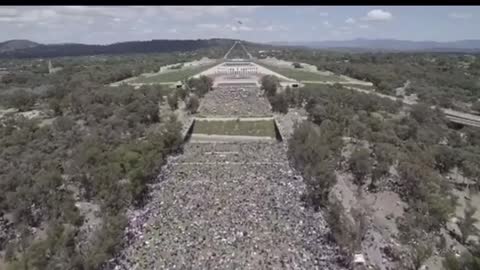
110, 24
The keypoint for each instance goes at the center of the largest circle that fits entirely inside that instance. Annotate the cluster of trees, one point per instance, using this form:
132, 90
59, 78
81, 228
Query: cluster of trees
101, 69
468, 260
437, 78
317, 163
421, 146
104, 146
195, 89
200, 86
277, 99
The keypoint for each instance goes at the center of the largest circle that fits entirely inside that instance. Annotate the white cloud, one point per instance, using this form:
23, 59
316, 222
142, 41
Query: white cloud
207, 25
245, 28
268, 28
173, 30
188, 13
340, 32
336, 33
243, 20
235, 28
461, 16
363, 26
350, 21
378, 15
8, 12
327, 24
323, 14
33, 15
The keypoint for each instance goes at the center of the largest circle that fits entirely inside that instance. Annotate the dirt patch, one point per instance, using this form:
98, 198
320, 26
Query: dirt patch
379, 212
4, 112
32, 114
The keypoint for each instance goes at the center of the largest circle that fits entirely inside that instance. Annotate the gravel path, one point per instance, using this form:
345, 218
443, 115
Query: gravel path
229, 215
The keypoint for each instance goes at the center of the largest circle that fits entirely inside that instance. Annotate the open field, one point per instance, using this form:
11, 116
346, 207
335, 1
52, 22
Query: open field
303, 75
172, 75
236, 128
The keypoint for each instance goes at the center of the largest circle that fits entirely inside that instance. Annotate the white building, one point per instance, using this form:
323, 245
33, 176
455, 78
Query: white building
236, 68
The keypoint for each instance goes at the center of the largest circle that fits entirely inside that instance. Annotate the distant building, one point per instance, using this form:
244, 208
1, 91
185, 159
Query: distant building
237, 68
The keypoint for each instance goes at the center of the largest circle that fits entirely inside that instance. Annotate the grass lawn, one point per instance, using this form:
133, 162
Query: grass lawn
302, 75
173, 75
234, 127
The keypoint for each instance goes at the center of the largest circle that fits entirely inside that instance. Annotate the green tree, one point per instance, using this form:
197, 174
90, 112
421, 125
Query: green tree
297, 65
318, 114
270, 84
320, 179
56, 106
172, 101
201, 85
476, 106
360, 165
466, 224
181, 93
22, 100
192, 103
445, 158
279, 103
419, 253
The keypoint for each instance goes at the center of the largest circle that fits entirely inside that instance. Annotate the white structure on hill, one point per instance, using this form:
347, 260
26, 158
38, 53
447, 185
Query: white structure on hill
244, 72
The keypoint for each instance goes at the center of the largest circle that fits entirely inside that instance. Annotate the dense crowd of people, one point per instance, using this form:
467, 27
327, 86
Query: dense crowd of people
244, 209
225, 205
235, 101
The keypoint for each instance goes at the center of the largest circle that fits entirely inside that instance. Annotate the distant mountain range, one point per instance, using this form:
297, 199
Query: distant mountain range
16, 44
29, 49
389, 45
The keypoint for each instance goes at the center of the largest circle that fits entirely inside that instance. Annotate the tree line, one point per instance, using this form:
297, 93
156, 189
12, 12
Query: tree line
103, 147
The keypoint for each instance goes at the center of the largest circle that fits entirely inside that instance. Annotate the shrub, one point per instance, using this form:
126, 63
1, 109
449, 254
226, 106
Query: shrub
476, 106
201, 85
172, 101
445, 158
22, 100
297, 65
319, 178
279, 103
466, 224
192, 103
270, 84
181, 93
360, 165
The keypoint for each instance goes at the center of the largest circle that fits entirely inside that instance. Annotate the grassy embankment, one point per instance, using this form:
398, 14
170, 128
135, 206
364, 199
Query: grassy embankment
264, 128
173, 75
